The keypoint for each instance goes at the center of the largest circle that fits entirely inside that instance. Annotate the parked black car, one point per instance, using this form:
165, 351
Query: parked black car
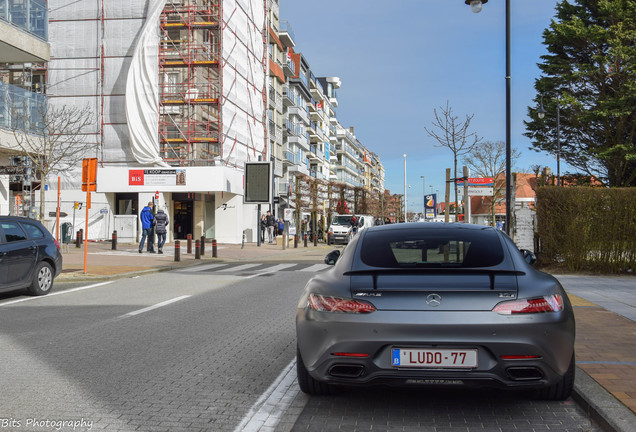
29, 256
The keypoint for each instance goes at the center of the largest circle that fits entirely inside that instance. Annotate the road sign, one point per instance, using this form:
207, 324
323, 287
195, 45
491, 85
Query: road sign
477, 191
477, 181
54, 214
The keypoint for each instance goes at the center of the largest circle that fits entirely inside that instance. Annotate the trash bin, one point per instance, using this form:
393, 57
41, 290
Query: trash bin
67, 231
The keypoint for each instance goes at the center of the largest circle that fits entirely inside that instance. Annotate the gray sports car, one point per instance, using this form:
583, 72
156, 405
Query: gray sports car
432, 304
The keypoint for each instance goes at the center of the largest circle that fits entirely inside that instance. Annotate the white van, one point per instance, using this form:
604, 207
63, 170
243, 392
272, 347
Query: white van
365, 221
339, 228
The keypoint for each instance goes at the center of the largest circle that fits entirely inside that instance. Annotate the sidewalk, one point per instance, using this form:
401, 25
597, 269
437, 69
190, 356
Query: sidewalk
103, 262
605, 338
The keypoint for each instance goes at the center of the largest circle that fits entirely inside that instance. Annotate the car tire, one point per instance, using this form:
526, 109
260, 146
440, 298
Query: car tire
307, 383
42, 279
563, 388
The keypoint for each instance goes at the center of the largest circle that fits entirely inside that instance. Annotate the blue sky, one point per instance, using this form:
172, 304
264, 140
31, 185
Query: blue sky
400, 59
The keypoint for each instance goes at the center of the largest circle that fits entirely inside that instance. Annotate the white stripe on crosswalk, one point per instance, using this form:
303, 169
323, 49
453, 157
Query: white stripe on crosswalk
315, 268
202, 268
275, 268
240, 268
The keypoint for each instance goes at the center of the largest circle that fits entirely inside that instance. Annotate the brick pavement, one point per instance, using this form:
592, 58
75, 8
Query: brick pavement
605, 342
606, 349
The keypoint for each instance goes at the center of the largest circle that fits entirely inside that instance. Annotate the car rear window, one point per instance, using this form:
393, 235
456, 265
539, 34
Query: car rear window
34, 231
427, 247
12, 232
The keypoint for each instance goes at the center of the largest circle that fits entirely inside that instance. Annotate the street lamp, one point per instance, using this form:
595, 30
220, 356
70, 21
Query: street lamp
475, 6
423, 196
405, 213
541, 115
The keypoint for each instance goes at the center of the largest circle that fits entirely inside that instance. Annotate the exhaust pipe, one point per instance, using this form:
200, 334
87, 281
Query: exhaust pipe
524, 373
346, 370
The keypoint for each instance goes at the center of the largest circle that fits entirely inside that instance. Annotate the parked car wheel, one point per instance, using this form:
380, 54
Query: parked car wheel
42, 279
308, 384
562, 389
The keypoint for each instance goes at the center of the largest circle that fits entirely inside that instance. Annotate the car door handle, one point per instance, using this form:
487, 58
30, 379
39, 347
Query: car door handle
33, 248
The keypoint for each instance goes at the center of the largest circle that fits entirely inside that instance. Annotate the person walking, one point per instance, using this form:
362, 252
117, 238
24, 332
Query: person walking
269, 222
281, 226
263, 228
147, 221
161, 223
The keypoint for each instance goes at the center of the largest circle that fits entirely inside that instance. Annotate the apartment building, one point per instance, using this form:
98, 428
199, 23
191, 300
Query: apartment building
179, 90
24, 50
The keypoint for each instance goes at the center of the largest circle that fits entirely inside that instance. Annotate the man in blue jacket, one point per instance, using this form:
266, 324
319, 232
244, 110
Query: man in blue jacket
147, 221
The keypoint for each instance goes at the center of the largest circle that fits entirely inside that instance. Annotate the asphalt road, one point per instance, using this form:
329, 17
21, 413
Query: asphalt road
208, 350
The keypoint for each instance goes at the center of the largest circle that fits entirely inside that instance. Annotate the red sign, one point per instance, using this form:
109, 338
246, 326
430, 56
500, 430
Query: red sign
157, 195
136, 177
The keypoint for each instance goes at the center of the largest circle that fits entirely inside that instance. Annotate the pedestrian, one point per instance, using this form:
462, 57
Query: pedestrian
263, 228
354, 225
161, 221
147, 221
281, 226
269, 222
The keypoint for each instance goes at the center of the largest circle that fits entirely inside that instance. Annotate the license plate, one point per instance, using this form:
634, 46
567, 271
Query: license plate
434, 358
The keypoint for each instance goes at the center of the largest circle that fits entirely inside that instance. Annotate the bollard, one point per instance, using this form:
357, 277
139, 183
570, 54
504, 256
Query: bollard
315, 240
197, 249
114, 246
214, 255
78, 240
305, 241
329, 239
284, 241
189, 243
295, 241
202, 245
177, 250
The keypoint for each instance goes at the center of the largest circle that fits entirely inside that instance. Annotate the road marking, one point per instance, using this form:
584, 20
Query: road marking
609, 362
201, 268
272, 404
315, 268
57, 293
149, 308
275, 268
240, 268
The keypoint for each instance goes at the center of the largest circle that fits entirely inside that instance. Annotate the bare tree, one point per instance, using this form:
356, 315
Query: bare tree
452, 133
488, 159
52, 137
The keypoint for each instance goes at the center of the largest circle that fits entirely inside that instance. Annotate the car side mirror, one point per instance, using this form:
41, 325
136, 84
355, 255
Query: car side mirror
529, 256
332, 257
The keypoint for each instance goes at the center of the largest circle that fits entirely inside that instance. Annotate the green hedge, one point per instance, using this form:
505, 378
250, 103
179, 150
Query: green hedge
586, 228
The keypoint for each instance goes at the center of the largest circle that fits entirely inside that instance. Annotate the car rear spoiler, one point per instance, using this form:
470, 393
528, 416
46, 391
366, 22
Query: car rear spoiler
374, 273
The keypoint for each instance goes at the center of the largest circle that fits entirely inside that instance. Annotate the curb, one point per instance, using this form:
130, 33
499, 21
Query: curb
610, 414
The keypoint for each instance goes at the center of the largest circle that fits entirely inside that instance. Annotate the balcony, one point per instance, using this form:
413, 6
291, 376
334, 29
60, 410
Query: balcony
288, 99
286, 33
21, 109
300, 112
28, 44
289, 158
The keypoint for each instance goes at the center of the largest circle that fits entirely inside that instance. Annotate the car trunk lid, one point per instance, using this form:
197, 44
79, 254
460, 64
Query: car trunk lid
455, 289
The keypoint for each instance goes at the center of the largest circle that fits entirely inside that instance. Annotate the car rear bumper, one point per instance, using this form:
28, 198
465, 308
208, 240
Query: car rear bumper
550, 337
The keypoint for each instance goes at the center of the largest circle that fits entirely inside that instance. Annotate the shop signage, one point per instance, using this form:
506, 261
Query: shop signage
157, 177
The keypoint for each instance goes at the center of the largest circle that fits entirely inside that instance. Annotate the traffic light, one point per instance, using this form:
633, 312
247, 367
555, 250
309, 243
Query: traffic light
78, 205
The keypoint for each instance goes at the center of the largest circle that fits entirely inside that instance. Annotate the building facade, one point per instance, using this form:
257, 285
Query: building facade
24, 50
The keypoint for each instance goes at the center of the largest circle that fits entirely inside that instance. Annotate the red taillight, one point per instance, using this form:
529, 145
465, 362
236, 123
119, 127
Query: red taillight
345, 354
552, 303
57, 243
336, 304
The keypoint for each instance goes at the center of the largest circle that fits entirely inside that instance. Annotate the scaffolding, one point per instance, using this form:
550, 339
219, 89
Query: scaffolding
190, 82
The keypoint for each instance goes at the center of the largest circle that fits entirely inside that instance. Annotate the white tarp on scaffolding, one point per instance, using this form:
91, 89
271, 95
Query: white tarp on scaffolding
142, 91
244, 60
92, 44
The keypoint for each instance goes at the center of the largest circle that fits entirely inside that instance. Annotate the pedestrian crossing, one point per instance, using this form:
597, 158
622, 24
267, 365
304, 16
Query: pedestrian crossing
254, 269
